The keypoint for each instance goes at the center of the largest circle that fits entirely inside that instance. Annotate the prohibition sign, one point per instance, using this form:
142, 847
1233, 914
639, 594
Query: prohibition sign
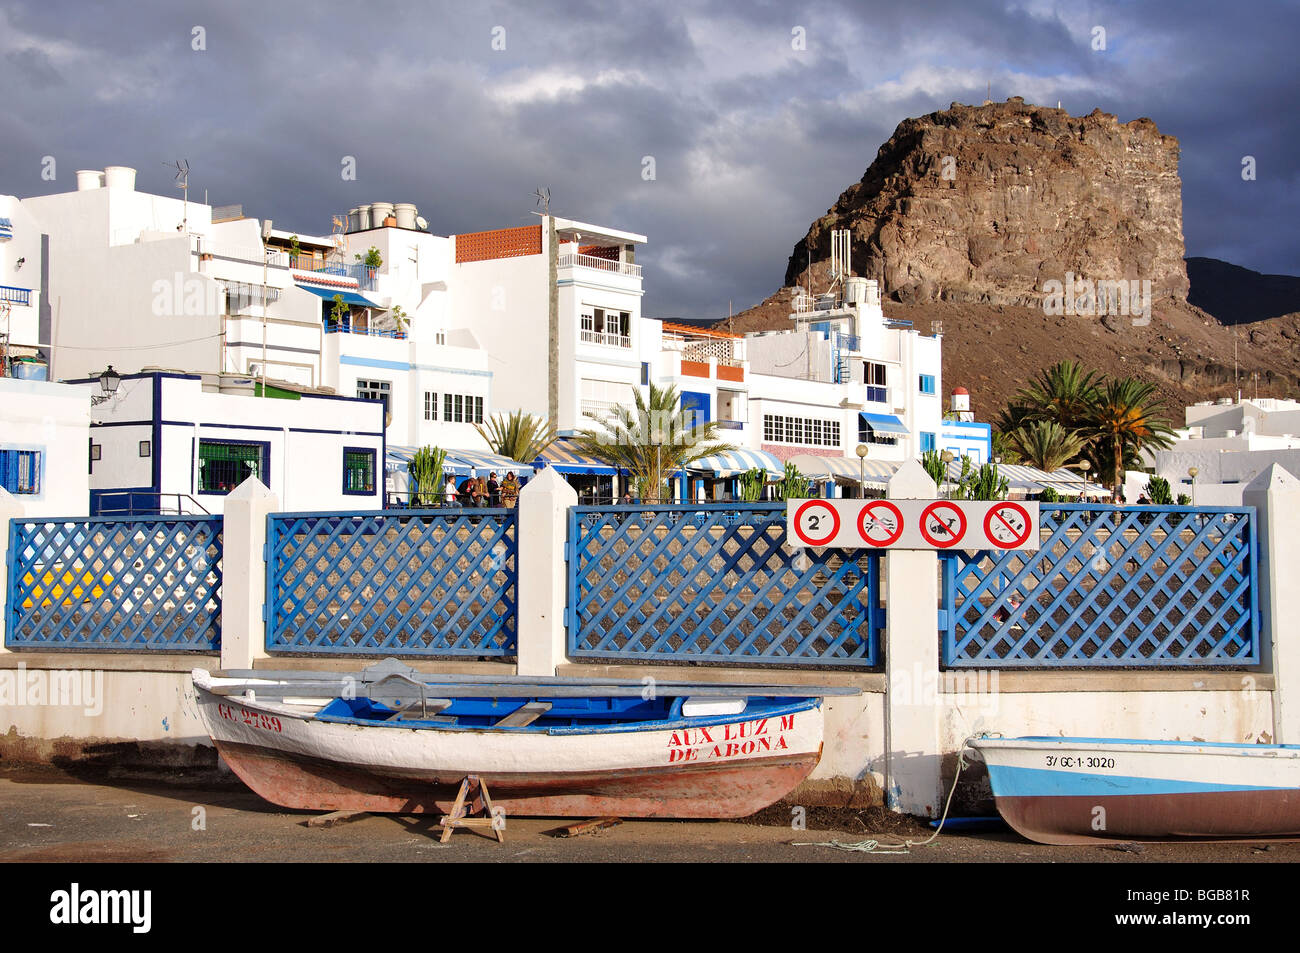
815, 520
942, 524
1007, 525
874, 521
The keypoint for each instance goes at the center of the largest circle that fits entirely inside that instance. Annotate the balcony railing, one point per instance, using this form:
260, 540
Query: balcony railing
604, 337
15, 295
604, 264
364, 274
730, 424
598, 408
332, 327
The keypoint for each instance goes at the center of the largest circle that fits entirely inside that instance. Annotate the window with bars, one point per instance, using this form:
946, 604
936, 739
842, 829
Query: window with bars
430, 405
358, 471
20, 471
224, 464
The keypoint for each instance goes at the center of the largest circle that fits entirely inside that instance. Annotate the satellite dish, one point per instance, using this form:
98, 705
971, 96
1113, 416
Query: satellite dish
421, 224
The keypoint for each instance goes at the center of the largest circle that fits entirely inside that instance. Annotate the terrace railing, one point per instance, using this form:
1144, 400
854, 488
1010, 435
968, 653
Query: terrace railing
1135, 587
715, 582
99, 585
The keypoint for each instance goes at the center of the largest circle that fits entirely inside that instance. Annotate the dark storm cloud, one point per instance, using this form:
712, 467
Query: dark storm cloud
751, 138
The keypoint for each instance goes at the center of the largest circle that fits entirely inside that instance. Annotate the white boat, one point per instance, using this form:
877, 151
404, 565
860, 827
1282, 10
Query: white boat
402, 742
1081, 790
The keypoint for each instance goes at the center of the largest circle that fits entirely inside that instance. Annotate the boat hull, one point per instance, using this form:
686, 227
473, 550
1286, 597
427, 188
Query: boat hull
724, 770
1081, 790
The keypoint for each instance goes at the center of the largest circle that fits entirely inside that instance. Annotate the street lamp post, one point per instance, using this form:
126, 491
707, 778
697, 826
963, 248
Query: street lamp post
947, 458
266, 258
1192, 472
861, 451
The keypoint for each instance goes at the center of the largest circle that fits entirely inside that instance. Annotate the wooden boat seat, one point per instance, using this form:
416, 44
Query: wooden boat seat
524, 715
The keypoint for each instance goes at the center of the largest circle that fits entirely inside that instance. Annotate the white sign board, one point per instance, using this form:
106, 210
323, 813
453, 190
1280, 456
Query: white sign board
912, 524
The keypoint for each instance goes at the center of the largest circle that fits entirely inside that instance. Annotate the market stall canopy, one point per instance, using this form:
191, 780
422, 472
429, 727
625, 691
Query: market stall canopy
1032, 480
821, 469
729, 463
461, 462
563, 454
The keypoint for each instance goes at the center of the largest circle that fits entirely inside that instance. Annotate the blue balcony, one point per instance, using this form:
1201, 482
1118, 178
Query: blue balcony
15, 295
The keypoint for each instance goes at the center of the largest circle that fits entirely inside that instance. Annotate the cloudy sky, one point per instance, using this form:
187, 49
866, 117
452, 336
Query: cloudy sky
756, 115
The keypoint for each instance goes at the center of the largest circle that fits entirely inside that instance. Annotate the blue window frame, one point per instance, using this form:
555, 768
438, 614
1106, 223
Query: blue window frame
927, 441
358, 471
927, 383
695, 408
645, 373
20, 471
224, 464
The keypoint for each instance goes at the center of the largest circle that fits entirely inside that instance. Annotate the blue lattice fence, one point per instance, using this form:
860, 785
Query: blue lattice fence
419, 582
1151, 586
715, 582
112, 584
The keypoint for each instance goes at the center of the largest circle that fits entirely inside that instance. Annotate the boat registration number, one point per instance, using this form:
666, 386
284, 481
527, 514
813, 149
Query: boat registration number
1081, 761
251, 718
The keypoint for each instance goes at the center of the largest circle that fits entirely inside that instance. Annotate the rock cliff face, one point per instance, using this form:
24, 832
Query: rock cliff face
985, 204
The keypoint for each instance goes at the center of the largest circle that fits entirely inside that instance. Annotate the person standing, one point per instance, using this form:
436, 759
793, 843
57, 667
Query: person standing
509, 491
449, 491
493, 490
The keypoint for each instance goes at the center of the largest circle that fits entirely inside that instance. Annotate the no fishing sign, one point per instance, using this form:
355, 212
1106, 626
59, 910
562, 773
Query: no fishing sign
912, 524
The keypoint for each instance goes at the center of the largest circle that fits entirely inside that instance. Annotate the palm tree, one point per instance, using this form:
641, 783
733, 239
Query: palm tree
1124, 420
650, 440
1063, 393
519, 436
1047, 445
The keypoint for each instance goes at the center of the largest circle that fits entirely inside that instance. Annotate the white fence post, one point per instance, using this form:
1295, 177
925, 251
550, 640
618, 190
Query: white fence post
913, 782
1275, 494
10, 508
243, 573
542, 572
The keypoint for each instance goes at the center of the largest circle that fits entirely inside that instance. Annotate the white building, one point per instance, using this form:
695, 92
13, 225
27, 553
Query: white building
179, 443
21, 271
1228, 443
44, 429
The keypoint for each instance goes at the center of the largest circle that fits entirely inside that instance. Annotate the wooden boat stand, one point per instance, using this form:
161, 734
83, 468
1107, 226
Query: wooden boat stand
459, 810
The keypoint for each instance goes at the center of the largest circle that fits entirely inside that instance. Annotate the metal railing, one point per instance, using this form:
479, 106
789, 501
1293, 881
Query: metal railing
364, 274
148, 503
332, 327
604, 264
15, 295
604, 337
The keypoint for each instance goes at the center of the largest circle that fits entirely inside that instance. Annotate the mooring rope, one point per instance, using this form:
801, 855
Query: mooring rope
872, 846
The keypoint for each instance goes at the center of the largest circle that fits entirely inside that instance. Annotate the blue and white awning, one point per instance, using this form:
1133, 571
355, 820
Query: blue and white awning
349, 296
563, 454
884, 423
462, 462
729, 463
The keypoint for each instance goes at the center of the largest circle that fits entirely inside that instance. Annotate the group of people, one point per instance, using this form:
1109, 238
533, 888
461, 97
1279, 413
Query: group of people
474, 490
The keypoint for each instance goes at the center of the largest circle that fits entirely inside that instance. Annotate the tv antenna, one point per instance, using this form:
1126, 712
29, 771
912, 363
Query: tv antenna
544, 200
183, 183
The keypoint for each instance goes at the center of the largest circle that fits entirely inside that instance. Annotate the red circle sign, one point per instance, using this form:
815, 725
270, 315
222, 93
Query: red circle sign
816, 521
877, 517
943, 524
1007, 525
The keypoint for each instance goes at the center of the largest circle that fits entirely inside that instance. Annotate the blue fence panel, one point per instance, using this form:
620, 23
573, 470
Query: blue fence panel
418, 582
1139, 587
115, 584
716, 582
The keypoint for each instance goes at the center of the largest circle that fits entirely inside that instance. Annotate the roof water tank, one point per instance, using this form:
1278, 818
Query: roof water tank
378, 212
353, 218
405, 213
119, 177
88, 179
363, 218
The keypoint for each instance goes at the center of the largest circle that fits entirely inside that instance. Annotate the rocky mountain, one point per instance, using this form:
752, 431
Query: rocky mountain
967, 215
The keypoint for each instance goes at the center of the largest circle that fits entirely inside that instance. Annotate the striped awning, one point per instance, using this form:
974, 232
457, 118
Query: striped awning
729, 463
563, 454
876, 472
1032, 480
884, 423
461, 462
